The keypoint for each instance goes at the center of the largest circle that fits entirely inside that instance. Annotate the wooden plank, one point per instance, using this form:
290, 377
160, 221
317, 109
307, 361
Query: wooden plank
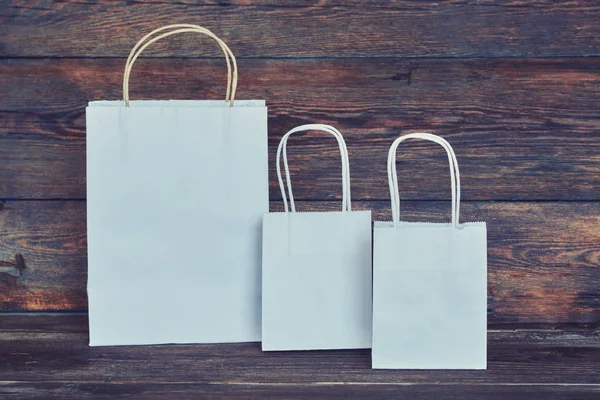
42, 349
100, 390
543, 258
49, 238
522, 129
270, 29
386, 4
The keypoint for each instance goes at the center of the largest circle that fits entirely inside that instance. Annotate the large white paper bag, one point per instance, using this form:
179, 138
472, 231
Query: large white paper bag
429, 285
175, 196
316, 276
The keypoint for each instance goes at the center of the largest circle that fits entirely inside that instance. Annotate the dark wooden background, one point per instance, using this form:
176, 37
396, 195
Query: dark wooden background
514, 86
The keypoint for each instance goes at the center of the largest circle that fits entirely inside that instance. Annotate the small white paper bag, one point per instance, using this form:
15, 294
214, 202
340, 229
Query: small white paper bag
175, 196
316, 276
429, 285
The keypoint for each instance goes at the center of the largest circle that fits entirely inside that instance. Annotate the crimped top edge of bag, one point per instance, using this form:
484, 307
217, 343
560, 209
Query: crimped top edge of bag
390, 224
177, 103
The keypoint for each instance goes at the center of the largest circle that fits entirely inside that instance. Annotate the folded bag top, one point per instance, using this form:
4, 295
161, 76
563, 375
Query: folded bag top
429, 284
173, 250
316, 269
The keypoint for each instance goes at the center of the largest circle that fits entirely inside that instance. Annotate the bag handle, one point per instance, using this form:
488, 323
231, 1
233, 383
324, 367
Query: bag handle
176, 29
346, 198
393, 175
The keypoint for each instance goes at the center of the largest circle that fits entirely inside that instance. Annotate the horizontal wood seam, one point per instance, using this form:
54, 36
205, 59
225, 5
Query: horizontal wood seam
316, 58
296, 384
328, 200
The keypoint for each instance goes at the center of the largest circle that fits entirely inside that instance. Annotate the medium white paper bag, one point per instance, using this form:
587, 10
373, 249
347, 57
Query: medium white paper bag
429, 285
175, 196
316, 276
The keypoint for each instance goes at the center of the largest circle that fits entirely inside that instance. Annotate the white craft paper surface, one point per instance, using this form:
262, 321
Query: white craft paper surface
429, 296
175, 196
317, 287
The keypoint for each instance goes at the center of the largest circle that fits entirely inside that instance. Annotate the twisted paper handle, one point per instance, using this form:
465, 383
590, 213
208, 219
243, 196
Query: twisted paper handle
393, 175
175, 29
346, 197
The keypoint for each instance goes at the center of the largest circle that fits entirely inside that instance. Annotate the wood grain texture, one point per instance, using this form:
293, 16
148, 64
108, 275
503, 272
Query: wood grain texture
307, 29
513, 85
543, 258
50, 239
193, 391
522, 129
48, 354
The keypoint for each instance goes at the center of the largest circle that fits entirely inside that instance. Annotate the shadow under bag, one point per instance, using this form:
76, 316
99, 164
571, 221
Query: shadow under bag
316, 270
175, 196
429, 285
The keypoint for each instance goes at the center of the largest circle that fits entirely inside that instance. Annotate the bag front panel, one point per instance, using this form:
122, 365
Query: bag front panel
175, 201
430, 297
316, 280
